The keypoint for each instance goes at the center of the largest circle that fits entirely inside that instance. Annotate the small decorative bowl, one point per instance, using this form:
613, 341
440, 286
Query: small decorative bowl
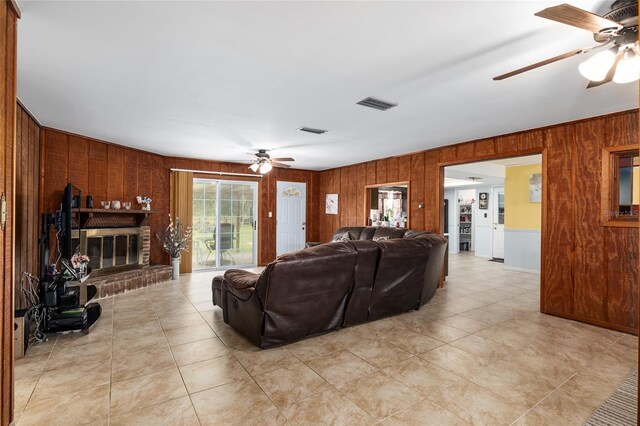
115, 205
126, 205
105, 204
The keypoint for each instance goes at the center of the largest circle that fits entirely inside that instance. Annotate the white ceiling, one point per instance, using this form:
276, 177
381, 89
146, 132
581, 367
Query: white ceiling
214, 80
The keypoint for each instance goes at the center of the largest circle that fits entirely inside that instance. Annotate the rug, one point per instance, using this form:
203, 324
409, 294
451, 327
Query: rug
621, 407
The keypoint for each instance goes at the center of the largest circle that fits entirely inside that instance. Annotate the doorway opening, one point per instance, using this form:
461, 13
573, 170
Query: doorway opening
493, 211
224, 224
387, 204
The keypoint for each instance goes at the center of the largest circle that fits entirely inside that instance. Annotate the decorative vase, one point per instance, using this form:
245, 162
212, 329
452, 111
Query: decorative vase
82, 270
175, 263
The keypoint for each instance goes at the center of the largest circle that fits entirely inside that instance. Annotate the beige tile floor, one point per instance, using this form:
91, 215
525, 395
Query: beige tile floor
478, 353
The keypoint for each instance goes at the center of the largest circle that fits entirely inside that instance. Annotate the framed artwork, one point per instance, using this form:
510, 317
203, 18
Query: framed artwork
331, 204
483, 204
535, 188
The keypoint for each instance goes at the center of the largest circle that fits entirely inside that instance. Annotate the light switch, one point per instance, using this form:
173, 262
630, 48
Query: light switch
270, 214
485, 215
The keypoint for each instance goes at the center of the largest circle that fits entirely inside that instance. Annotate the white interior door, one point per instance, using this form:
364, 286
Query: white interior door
291, 211
498, 223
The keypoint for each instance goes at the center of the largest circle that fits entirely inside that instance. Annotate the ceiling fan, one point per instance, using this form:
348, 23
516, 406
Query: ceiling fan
617, 29
264, 163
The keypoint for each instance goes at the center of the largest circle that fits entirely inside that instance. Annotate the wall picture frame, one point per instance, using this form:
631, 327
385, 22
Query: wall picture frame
535, 188
331, 204
483, 203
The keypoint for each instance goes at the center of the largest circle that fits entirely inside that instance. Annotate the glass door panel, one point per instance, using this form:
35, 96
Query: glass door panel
237, 223
204, 224
231, 208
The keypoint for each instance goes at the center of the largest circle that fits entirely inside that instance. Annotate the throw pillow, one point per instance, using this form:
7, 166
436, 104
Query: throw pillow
380, 238
342, 237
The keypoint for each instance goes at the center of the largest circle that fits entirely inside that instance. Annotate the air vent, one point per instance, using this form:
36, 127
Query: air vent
377, 104
474, 178
312, 130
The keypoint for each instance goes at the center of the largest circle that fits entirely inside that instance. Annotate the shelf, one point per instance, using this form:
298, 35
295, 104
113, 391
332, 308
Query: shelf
109, 218
113, 211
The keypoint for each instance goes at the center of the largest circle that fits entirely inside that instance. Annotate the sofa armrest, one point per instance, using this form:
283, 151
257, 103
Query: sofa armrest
241, 283
310, 244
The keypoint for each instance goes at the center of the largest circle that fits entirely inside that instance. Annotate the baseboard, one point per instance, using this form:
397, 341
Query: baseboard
514, 268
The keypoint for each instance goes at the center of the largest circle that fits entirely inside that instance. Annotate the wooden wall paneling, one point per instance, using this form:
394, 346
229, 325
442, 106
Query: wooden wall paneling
560, 231
115, 172
78, 173
56, 166
416, 214
589, 275
447, 154
98, 158
465, 151
392, 169
146, 163
381, 171
533, 139
21, 209
263, 218
360, 183
371, 173
622, 295
431, 200
485, 148
506, 144
26, 204
404, 168
351, 207
160, 196
130, 178
8, 117
621, 129
33, 198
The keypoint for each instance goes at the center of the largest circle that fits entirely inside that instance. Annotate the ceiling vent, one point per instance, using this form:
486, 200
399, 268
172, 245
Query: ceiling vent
474, 178
312, 130
377, 104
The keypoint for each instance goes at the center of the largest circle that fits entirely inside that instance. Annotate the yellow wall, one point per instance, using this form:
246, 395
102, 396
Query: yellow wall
519, 213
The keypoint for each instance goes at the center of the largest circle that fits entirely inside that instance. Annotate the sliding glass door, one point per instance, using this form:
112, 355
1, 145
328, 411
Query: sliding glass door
224, 224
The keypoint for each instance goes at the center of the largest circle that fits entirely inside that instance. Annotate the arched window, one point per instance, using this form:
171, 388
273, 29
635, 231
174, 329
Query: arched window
291, 192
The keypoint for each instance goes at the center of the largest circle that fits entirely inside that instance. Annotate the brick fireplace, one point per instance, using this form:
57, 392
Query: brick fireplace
118, 242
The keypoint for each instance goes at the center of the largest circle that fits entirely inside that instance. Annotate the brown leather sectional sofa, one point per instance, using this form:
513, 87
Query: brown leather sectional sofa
365, 274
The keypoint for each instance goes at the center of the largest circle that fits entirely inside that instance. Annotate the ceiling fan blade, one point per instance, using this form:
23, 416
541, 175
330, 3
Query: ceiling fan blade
281, 165
283, 159
545, 62
610, 74
576, 17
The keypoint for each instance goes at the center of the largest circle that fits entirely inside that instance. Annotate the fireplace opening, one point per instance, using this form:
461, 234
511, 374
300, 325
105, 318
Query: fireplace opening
110, 249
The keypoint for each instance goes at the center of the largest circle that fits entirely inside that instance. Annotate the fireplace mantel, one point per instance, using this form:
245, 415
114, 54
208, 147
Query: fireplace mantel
110, 218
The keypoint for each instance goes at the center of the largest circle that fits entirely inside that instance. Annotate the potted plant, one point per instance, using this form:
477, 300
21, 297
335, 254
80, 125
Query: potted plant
174, 241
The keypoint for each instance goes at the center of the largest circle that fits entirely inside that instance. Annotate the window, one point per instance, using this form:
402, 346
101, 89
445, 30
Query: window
621, 186
291, 192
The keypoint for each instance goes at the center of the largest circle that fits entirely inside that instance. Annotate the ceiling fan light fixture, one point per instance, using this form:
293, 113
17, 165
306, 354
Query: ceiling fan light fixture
254, 167
265, 168
628, 69
597, 67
